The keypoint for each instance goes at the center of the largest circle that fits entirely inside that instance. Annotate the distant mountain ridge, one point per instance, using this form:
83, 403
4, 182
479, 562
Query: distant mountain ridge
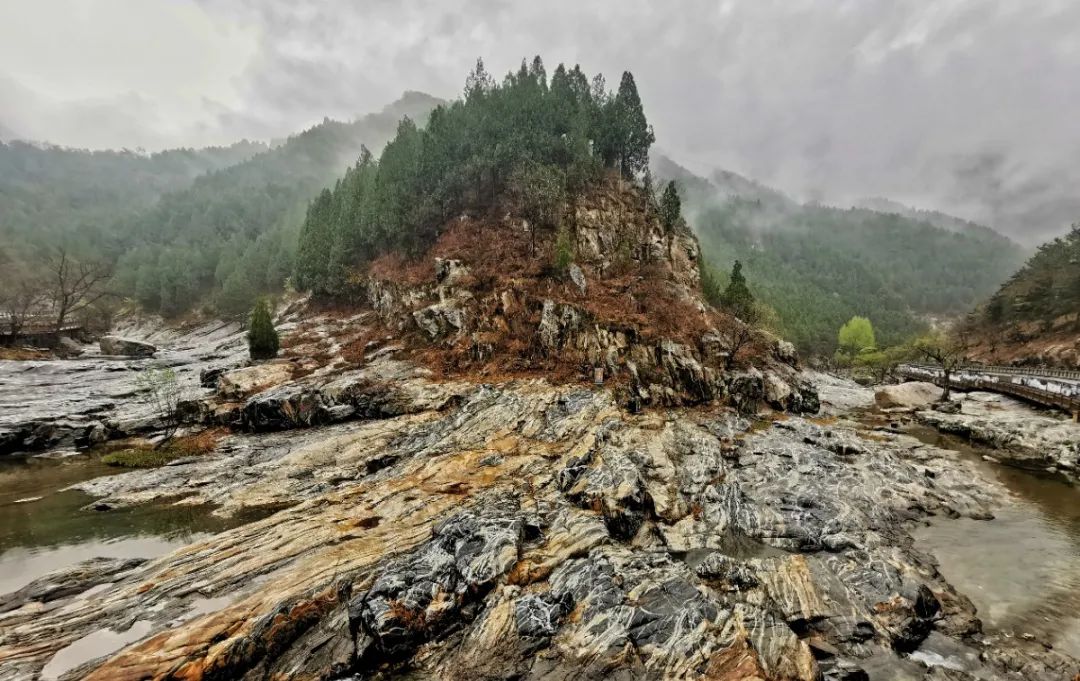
50, 194
820, 265
934, 217
186, 223
232, 234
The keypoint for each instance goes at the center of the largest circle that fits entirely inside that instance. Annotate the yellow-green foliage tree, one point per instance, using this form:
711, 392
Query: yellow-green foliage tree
856, 336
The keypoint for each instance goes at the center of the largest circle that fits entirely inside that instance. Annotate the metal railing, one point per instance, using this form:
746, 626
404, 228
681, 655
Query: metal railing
1056, 389
1035, 372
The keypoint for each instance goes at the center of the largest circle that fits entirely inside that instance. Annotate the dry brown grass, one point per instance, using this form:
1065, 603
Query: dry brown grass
643, 300
146, 455
23, 354
397, 269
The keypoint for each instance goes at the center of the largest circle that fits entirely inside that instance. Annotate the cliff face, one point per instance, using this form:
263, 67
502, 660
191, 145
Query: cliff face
627, 311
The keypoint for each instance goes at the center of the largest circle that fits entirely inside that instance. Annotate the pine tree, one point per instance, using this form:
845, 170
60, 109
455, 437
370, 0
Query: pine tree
737, 297
263, 340
635, 135
670, 207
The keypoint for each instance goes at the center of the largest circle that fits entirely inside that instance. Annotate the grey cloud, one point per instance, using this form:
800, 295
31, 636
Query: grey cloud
962, 105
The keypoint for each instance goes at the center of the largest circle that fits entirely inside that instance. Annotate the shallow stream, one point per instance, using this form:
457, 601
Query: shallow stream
1021, 569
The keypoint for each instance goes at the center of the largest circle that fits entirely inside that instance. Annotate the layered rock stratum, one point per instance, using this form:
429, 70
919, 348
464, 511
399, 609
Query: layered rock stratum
525, 530
489, 472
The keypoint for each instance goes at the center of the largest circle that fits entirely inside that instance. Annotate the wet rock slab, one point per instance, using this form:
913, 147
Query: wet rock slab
1023, 435
527, 531
67, 403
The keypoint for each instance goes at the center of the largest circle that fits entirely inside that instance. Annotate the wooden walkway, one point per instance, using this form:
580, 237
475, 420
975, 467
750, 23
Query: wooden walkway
35, 330
1056, 388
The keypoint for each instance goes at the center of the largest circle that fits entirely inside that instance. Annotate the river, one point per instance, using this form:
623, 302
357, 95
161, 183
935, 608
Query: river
44, 527
1021, 569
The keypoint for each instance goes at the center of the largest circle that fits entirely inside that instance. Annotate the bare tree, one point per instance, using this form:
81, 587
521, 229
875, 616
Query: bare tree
947, 351
75, 284
159, 390
20, 296
738, 336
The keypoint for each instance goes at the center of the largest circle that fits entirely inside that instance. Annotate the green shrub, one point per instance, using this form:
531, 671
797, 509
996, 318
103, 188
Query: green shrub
141, 458
564, 251
263, 342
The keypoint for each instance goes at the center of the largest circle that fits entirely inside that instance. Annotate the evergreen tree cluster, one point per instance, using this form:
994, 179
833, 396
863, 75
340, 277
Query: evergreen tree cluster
819, 266
537, 140
1045, 288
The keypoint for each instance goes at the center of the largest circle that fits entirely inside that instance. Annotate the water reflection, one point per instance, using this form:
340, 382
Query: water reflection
1022, 569
53, 532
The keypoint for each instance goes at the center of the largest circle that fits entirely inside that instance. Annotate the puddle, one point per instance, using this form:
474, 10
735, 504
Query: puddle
92, 646
52, 532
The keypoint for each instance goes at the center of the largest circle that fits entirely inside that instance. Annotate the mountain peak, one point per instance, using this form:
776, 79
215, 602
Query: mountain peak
412, 103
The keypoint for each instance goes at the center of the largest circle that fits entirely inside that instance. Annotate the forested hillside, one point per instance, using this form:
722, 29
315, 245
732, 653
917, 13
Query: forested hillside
1035, 316
818, 266
232, 235
1045, 288
51, 195
176, 228
523, 139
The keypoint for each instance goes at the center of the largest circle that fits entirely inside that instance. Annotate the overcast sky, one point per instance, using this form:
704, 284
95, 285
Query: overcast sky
968, 106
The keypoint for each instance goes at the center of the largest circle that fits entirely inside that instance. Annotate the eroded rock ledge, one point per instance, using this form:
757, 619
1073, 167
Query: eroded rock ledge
1021, 435
528, 531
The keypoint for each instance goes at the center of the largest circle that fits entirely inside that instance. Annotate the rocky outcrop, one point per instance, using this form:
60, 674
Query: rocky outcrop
909, 395
837, 395
240, 383
49, 405
529, 531
383, 389
115, 345
627, 311
1021, 434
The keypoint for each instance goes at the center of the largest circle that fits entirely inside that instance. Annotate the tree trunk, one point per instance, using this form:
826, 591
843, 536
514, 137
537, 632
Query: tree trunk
61, 317
945, 389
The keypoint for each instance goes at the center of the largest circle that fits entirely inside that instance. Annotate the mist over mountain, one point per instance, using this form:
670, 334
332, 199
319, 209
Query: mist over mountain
965, 108
820, 265
184, 226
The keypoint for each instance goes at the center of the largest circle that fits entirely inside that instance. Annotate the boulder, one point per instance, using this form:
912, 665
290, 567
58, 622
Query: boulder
209, 377
249, 380
440, 319
115, 345
947, 407
578, 277
786, 352
69, 348
910, 395
449, 272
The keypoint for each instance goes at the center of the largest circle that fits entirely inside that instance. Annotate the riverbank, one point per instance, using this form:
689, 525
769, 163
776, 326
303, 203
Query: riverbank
543, 529
464, 529
1020, 435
